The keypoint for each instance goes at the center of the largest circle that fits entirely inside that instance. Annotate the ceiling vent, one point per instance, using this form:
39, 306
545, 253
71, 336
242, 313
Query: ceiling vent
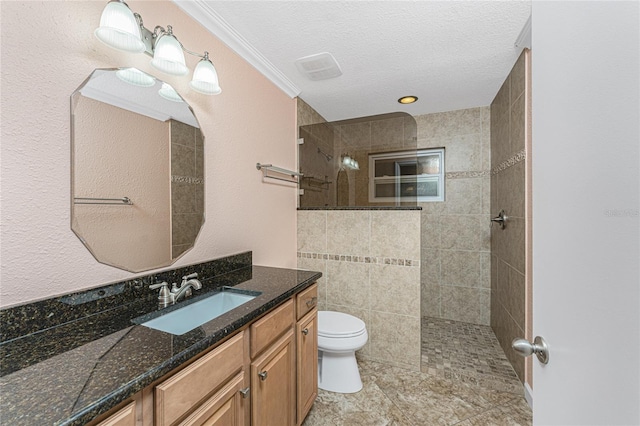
321, 66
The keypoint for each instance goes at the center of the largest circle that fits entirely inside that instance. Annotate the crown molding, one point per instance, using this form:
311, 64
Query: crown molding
216, 25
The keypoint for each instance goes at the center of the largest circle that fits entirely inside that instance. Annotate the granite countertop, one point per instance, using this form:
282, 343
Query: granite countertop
72, 372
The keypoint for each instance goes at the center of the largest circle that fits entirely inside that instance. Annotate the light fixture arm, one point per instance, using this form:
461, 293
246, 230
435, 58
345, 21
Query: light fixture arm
151, 37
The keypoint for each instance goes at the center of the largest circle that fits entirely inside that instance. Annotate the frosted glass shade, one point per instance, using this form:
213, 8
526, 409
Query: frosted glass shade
136, 77
168, 56
205, 79
119, 28
169, 93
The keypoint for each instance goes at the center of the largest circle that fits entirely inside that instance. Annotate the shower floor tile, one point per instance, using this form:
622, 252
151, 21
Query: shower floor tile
466, 352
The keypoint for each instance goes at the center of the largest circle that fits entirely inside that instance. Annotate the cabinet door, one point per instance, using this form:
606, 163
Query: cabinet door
307, 363
183, 391
124, 417
273, 385
224, 408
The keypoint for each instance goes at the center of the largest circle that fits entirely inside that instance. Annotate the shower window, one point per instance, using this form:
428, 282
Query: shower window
407, 176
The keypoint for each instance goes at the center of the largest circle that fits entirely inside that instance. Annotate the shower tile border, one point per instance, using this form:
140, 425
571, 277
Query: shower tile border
512, 161
360, 259
467, 175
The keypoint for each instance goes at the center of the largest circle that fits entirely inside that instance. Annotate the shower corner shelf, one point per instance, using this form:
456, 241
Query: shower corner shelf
280, 173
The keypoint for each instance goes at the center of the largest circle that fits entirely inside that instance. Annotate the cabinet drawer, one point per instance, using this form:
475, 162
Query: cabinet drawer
306, 300
124, 417
179, 394
269, 328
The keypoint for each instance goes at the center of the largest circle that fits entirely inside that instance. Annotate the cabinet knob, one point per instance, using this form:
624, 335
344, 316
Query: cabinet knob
305, 331
312, 302
263, 375
244, 392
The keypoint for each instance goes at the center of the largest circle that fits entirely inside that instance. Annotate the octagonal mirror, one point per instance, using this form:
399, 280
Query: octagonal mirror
137, 170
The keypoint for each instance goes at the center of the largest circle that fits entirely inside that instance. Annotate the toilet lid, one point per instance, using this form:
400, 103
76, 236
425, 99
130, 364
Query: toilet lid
338, 324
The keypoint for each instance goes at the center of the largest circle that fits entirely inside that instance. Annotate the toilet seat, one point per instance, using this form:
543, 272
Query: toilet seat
337, 325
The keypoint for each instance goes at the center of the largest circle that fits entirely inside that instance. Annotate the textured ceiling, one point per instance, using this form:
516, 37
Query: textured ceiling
451, 54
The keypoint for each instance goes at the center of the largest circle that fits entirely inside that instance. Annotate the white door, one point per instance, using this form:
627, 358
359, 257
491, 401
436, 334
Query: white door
586, 233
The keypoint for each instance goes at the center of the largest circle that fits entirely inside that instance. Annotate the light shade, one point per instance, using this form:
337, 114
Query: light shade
169, 93
136, 77
168, 56
205, 78
119, 28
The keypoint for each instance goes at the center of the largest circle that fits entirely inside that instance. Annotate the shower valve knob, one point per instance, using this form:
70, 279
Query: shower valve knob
501, 219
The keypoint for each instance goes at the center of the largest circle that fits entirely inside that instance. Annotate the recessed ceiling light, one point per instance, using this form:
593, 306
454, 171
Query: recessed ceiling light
407, 99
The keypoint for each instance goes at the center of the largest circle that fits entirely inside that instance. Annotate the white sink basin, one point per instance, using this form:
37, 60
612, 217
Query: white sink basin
194, 315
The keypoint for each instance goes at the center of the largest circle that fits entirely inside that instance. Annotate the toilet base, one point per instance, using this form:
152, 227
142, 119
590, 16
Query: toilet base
338, 372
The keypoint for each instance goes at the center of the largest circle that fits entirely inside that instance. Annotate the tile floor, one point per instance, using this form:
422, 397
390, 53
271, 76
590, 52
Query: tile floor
465, 380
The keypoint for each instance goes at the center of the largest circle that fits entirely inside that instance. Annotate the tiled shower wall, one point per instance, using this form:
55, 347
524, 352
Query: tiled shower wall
455, 258
508, 167
187, 186
370, 264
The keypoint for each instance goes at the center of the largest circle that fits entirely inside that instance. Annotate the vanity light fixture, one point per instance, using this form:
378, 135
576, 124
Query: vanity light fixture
123, 29
349, 162
407, 99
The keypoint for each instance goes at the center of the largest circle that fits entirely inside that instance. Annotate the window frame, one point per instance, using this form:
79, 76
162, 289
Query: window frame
398, 179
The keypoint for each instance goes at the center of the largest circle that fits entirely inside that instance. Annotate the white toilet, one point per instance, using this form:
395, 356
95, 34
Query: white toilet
340, 335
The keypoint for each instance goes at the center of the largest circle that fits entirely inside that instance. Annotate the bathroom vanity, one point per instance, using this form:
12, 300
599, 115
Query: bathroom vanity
254, 365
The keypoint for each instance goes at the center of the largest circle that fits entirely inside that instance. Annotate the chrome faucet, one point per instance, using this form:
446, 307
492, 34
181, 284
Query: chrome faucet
166, 297
188, 282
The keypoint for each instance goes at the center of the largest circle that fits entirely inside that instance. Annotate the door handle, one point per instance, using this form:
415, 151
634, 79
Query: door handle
263, 375
526, 348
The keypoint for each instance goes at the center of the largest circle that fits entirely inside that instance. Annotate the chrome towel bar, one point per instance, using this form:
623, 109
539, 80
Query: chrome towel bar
285, 175
86, 200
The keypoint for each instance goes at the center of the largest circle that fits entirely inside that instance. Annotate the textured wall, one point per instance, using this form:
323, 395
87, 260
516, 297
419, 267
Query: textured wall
455, 233
508, 165
117, 153
371, 269
251, 121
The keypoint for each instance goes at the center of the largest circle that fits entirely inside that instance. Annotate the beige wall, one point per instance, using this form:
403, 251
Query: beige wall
455, 233
370, 262
251, 121
118, 153
508, 264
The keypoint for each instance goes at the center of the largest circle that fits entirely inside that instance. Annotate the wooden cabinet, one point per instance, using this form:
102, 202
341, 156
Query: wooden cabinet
273, 373
124, 417
224, 408
306, 351
271, 326
187, 389
307, 363
306, 300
